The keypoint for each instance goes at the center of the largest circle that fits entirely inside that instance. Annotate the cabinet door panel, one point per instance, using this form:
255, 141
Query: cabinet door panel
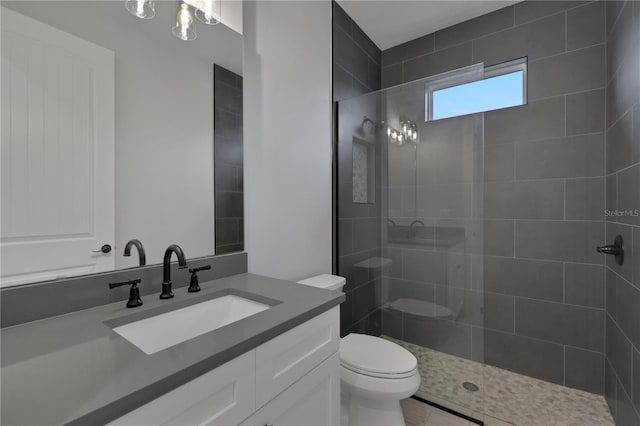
282, 361
224, 396
312, 401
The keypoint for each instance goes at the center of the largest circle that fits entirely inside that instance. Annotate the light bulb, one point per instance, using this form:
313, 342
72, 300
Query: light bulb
143, 9
184, 28
388, 131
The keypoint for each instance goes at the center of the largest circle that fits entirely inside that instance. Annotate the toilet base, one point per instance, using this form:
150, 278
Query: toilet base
369, 412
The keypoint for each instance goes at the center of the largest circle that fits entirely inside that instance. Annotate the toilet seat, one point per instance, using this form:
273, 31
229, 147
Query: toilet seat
375, 357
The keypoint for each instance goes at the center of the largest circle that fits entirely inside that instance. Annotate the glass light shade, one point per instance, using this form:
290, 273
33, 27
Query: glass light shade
184, 28
143, 9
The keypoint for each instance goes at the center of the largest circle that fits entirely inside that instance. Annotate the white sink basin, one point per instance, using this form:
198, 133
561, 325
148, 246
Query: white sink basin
163, 331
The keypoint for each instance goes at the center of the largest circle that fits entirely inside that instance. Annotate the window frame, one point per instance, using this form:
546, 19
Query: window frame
468, 74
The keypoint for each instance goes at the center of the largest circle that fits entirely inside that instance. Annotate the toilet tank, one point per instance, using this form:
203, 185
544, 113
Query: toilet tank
326, 281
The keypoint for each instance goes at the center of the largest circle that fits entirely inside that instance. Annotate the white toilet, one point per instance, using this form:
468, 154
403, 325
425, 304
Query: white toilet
375, 373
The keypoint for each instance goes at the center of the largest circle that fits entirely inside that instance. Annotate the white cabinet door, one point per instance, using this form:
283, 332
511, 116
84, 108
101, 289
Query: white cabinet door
283, 360
57, 152
224, 396
314, 400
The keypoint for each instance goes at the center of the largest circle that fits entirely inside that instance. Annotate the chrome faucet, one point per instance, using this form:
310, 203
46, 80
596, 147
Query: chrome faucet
412, 229
166, 269
142, 257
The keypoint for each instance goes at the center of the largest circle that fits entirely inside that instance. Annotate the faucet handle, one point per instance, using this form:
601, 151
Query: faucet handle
134, 293
194, 286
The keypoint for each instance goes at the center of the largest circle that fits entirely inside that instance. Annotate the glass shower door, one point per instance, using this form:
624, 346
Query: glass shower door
428, 180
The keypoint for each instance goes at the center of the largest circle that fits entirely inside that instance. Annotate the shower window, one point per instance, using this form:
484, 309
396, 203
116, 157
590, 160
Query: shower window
460, 93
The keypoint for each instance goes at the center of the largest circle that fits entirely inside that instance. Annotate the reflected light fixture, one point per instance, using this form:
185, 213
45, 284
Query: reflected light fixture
207, 11
184, 27
143, 9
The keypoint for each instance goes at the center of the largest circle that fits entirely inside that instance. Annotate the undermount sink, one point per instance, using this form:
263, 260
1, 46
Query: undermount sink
162, 331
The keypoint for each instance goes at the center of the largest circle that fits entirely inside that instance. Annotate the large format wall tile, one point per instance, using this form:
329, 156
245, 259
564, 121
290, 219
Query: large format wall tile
572, 72
535, 358
559, 240
585, 26
584, 370
560, 323
584, 199
584, 285
437, 62
537, 39
526, 278
542, 199
485, 24
618, 350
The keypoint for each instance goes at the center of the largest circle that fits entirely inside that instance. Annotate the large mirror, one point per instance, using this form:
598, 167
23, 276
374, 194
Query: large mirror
114, 128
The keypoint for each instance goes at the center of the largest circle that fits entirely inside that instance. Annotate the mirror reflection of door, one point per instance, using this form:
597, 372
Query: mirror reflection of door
57, 167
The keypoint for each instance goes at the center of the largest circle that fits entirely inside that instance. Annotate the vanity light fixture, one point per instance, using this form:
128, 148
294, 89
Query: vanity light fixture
184, 27
409, 133
143, 9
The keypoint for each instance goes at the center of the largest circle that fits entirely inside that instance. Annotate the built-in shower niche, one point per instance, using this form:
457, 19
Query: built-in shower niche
364, 171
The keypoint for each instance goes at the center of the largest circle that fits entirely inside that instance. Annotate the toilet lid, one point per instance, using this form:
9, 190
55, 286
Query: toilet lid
368, 354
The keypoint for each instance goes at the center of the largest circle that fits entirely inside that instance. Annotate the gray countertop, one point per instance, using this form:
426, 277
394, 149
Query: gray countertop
74, 368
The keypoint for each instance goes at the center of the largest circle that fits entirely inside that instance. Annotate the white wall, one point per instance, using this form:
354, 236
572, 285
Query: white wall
287, 137
164, 120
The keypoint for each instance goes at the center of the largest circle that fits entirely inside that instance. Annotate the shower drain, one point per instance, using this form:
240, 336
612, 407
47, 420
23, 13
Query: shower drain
471, 387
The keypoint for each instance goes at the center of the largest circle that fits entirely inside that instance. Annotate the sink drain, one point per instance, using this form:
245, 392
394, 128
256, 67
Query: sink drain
471, 387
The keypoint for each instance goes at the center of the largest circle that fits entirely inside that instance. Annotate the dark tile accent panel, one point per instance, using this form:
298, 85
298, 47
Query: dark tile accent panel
531, 10
485, 24
498, 237
584, 285
618, 350
586, 25
525, 278
367, 298
366, 233
345, 235
397, 288
575, 156
411, 49
542, 199
584, 370
612, 12
584, 198
544, 37
341, 19
228, 161
32, 302
438, 62
564, 324
585, 112
542, 119
559, 240
610, 296
572, 72
532, 357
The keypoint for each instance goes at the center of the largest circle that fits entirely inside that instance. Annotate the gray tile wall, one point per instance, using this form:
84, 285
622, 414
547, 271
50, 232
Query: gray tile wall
544, 195
356, 71
229, 201
622, 170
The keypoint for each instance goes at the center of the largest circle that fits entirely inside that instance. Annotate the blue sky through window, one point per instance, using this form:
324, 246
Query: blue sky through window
502, 91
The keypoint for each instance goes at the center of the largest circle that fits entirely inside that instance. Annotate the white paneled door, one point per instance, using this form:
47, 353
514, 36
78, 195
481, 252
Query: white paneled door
57, 153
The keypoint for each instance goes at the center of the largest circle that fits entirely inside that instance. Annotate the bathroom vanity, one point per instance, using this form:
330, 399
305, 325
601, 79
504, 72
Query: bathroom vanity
277, 366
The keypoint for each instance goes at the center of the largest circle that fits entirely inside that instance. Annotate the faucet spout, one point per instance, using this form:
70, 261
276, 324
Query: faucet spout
166, 269
142, 257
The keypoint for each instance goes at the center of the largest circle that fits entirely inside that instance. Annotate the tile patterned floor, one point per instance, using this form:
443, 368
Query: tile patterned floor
504, 396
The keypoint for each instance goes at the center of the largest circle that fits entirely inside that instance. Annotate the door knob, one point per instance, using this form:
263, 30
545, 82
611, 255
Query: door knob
106, 248
616, 249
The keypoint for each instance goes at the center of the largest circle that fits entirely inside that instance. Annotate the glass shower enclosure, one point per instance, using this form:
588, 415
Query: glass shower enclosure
410, 192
